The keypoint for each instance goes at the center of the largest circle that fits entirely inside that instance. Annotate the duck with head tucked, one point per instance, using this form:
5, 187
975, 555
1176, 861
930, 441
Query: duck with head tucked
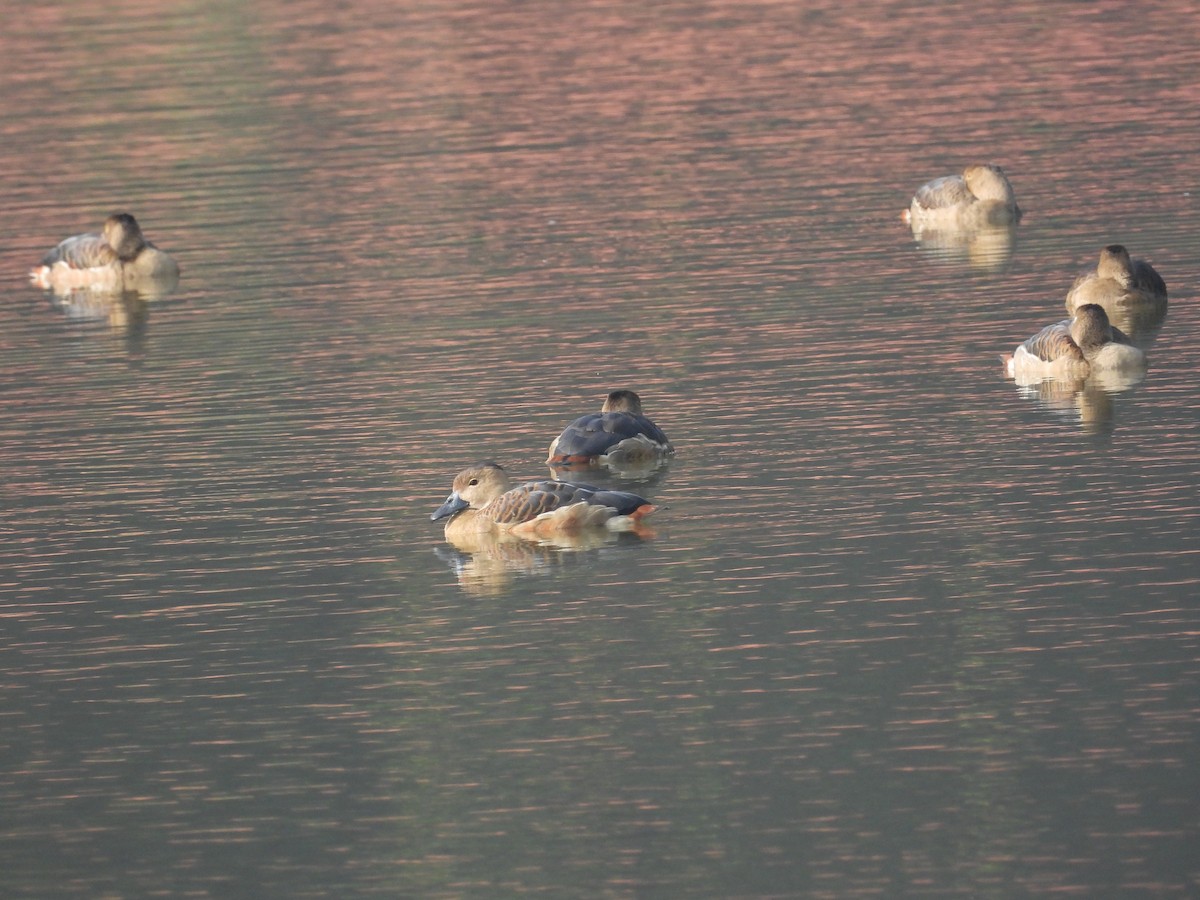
1086, 344
484, 500
1119, 280
619, 435
119, 259
981, 196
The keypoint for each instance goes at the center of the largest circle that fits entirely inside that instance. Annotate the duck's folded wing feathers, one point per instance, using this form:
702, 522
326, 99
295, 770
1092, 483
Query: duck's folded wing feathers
1053, 342
950, 190
84, 251
528, 501
537, 497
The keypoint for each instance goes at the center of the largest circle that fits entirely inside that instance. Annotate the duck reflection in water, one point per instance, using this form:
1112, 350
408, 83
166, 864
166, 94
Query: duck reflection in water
969, 218
483, 500
1087, 401
120, 311
1132, 294
488, 564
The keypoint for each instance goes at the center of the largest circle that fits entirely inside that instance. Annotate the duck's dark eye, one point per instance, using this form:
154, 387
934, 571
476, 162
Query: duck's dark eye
473, 481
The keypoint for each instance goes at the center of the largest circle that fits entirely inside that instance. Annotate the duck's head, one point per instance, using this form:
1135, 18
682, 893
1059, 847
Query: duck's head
474, 487
623, 401
124, 235
1116, 264
1090, 328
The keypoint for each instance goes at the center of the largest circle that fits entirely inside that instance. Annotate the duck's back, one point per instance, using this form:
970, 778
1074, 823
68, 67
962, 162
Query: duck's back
942, 193
1052, 343
83, 251
1146, 290
530, 500
594, 435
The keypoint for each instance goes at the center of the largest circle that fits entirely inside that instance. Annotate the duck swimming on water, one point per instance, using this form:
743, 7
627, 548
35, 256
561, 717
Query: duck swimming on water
982, 195
1118, 280
1083, 345
620, 434
118, 259
483, 499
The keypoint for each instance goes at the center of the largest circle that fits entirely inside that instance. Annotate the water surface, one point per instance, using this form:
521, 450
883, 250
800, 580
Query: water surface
903, 629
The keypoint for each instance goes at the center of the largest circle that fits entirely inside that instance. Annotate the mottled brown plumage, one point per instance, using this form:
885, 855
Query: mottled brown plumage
982, 195
1075, 348
119, 259
483, 498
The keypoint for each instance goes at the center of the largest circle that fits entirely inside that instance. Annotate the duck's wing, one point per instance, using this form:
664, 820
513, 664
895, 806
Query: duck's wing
1053, 342
1119, 337
1146, 279
83, 251
532, 499
942, 192
594, 435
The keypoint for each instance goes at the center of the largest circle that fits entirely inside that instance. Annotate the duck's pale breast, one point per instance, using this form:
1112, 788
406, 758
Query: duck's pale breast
967, 216
151, 264
1118, 356
1027, 367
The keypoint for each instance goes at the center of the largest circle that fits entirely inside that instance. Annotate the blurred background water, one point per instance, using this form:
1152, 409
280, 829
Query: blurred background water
903, 629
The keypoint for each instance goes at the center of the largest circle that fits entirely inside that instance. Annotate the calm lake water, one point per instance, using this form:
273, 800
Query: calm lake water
903, 628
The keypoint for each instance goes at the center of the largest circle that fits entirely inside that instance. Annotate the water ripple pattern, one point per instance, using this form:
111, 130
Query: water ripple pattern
902, 627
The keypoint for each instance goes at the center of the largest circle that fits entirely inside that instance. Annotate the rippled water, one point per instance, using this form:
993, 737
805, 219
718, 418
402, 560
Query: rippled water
903, 628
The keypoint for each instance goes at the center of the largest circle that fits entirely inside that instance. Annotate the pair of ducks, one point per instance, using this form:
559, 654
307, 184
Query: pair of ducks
483, 499
1077, 347
1088, 343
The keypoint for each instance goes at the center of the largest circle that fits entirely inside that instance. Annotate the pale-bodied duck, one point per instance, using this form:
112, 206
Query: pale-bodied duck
119, 259
1118, 280
483, 499
982, 195
1086, 344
